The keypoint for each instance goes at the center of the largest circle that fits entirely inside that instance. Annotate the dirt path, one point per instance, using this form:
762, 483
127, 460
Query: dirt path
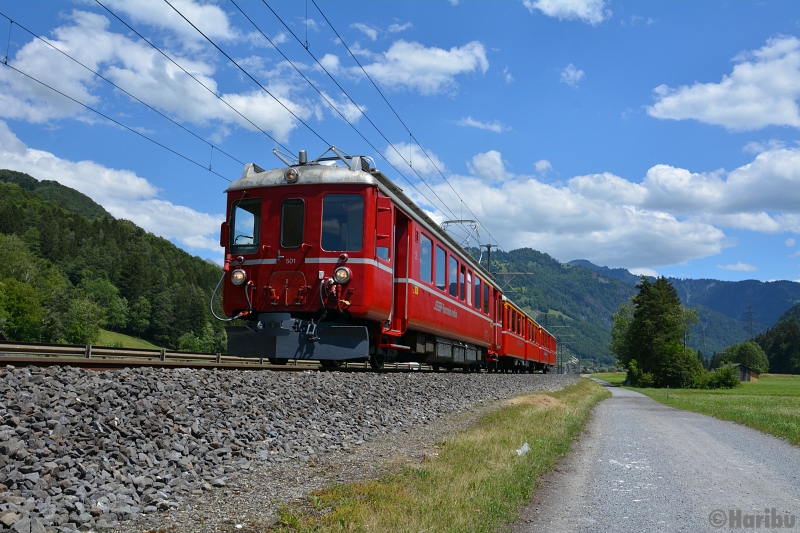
642, 466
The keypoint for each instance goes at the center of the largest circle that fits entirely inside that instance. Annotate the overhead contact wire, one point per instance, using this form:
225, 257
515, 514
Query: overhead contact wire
117, 122
328, 101
354, 103
151, 108
398, 116
221, 51
142, 37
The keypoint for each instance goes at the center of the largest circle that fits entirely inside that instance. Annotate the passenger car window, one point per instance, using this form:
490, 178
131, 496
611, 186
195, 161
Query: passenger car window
292, 216
342, 222
441, 267
453, 277
245, 223
477, 293
425, 259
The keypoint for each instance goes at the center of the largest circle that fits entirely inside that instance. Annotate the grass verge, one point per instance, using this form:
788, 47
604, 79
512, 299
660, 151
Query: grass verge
616, 378
118, 340
771, 405
475, 483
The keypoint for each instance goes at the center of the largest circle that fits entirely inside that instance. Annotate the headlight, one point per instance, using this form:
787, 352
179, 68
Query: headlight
291, 175
341, 275
238, 276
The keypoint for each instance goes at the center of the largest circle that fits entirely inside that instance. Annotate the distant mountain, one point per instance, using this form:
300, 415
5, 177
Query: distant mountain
61, 195
618, 273
583, 296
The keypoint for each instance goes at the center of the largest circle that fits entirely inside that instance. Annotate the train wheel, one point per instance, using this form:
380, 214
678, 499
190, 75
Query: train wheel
435, 368
376, 361
276, 361
331, 365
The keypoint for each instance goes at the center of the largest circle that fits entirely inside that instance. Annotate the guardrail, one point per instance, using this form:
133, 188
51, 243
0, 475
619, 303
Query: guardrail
100, 356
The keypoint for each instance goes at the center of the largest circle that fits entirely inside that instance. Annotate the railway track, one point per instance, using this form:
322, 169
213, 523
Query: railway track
102, 358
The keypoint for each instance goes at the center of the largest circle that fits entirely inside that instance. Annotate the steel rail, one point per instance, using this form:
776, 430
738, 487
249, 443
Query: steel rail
108, 358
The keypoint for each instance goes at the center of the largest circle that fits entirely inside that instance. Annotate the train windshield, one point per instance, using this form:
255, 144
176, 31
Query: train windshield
342, 222
245, 221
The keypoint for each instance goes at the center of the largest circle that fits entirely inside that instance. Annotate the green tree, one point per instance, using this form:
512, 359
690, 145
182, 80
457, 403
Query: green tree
20, 311
84, 321
747, 353
650, 339
140, 316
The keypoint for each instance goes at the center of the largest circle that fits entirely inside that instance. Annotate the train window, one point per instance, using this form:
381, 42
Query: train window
462, 289
425, 258
453, 277
244, 226
486, 298
477, 300
441, 267
292, 216
342, 222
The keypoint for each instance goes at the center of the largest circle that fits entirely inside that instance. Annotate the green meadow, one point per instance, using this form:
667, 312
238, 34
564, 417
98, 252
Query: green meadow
771, 405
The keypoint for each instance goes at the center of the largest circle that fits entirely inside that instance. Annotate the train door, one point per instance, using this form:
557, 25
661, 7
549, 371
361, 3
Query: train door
402, 245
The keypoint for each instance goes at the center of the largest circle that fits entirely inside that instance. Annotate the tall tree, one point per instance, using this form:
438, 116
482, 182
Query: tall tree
650, 339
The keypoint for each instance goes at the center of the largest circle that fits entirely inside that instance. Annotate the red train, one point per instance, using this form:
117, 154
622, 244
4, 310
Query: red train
329, 260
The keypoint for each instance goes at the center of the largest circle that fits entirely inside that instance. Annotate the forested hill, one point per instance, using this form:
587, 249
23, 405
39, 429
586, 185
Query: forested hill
61, 195
64, 275
781, 343
583, 296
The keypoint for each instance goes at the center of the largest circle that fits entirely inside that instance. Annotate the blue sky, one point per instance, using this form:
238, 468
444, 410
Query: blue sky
655, 136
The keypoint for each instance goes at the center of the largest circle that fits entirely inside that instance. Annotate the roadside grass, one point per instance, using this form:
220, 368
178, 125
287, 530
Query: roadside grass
615, 378
771, 405
118, 340
475, 483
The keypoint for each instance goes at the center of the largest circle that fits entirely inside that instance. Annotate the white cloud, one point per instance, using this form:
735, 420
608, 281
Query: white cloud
739, 267
208, 18
755, 147
488, 166
507, 76
495, 126
790, 242
425, 165
121, 192
643, 272
543, 166
590, 11
762, 90
397, 28
413, 66
671, 217
796, 254
369, 31
571, 75
348, 109
141, 71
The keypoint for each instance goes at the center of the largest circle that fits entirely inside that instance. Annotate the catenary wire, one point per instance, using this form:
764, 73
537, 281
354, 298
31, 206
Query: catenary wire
391, 144
401, 121
312, 130
117, 122
184, 128
142, 37
336, 109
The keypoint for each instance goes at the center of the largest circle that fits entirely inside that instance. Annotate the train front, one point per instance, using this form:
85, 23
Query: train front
302, 266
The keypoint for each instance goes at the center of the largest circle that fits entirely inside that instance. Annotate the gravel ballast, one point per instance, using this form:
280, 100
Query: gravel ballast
86, 450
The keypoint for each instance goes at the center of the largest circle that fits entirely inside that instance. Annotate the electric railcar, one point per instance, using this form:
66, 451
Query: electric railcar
328, 260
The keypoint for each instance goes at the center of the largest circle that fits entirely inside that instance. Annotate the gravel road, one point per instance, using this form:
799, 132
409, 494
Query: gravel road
642, 466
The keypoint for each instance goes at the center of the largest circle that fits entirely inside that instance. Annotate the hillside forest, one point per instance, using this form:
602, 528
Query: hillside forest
68, 269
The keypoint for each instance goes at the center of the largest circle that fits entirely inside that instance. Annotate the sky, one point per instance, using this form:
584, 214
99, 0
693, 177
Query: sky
661, 137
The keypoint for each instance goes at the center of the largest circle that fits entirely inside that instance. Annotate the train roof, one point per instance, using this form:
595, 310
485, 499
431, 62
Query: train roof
359, 170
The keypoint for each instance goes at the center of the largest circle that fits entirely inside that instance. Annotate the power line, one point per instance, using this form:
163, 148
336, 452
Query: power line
352, 101
213, 147
221, 51
117, 122
324, 97
142, 37
398, 117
